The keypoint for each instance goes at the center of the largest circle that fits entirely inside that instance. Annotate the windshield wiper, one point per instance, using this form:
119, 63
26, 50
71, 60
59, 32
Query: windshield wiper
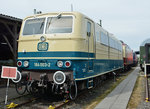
41, 25
49, 22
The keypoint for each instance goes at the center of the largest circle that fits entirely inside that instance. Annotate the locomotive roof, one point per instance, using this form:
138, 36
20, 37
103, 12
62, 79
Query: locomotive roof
71, 13
57, 13
145, 41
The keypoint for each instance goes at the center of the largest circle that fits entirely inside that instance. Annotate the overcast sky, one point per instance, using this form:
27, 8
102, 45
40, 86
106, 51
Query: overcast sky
128, 20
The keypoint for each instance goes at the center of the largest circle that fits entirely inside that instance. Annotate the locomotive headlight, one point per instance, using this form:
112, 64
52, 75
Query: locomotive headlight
42, 38
59, 77
59, 63
26, 63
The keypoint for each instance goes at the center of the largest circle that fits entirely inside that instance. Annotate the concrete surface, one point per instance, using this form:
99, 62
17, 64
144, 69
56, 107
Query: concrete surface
119, 97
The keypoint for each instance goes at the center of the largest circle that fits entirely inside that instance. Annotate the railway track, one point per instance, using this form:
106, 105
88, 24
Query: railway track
13, 105
29, 100
15, 98
147, 98
53, 104
49, 105
11, 102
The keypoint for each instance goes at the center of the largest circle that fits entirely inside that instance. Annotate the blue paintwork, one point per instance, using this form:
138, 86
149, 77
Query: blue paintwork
55, 54
78, 66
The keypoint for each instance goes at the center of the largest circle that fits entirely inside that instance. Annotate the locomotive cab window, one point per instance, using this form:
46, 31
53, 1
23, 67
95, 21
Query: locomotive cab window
88, 29
62, 24
34, 26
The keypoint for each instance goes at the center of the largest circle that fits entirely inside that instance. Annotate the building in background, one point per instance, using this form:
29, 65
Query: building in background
9, 32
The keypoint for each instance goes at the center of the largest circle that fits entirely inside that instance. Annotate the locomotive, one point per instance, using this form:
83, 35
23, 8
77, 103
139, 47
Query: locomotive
65, 52
127, 56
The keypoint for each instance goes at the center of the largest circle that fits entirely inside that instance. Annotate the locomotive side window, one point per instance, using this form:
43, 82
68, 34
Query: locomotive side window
88, 29
61, 24
97, 36
34, 26
115, 44
97, 32
104, 39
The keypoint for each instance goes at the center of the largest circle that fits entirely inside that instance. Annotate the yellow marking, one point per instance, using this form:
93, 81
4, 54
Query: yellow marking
11, 105
51, 107
147, 99
66, 101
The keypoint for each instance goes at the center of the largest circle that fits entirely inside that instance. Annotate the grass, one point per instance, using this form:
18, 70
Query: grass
98, 99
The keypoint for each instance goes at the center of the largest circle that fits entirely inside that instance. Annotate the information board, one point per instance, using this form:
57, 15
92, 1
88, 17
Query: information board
9, 72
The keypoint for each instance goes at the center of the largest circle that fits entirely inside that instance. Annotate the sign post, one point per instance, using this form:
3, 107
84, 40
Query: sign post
7, 91
9, 73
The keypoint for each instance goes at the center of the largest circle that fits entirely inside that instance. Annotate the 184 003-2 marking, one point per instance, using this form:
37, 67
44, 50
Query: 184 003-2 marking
42, 64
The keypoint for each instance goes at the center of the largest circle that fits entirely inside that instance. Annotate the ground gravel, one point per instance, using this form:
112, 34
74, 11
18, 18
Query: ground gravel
144, 104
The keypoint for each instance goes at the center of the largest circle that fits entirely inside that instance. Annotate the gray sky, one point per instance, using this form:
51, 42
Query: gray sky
128, 20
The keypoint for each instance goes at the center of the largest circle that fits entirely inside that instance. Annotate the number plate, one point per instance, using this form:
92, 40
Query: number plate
42, 64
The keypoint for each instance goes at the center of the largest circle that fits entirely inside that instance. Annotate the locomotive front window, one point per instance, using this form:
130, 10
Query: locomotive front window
62, 24
34, 26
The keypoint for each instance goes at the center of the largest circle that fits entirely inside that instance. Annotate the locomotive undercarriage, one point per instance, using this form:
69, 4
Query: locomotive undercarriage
40, 83
45, 85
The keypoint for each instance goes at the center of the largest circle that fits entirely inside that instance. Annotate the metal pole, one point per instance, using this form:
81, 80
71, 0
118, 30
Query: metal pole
7, 91
114, 76
147, 90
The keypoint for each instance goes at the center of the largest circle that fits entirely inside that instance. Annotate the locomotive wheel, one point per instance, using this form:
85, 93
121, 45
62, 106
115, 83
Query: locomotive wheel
33, 88
73, 90
21, 88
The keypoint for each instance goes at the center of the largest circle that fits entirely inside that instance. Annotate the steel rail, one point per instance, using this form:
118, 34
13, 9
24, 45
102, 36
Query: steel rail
147, 90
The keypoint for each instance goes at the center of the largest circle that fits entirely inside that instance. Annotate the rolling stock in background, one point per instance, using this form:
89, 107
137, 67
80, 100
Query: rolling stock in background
66, 52
144, 53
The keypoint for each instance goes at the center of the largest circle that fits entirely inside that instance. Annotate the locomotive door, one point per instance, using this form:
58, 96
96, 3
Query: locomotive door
90, 39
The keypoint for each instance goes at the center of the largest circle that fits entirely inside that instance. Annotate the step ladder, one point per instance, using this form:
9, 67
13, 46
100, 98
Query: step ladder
90, 83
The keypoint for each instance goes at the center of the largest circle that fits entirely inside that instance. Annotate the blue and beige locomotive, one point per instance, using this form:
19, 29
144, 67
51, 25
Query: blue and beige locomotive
66, 52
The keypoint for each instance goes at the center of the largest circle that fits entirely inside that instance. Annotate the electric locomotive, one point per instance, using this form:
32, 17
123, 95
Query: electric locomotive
65, 52
127, 56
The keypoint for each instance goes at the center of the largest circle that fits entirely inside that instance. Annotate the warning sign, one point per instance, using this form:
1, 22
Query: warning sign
9, 72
